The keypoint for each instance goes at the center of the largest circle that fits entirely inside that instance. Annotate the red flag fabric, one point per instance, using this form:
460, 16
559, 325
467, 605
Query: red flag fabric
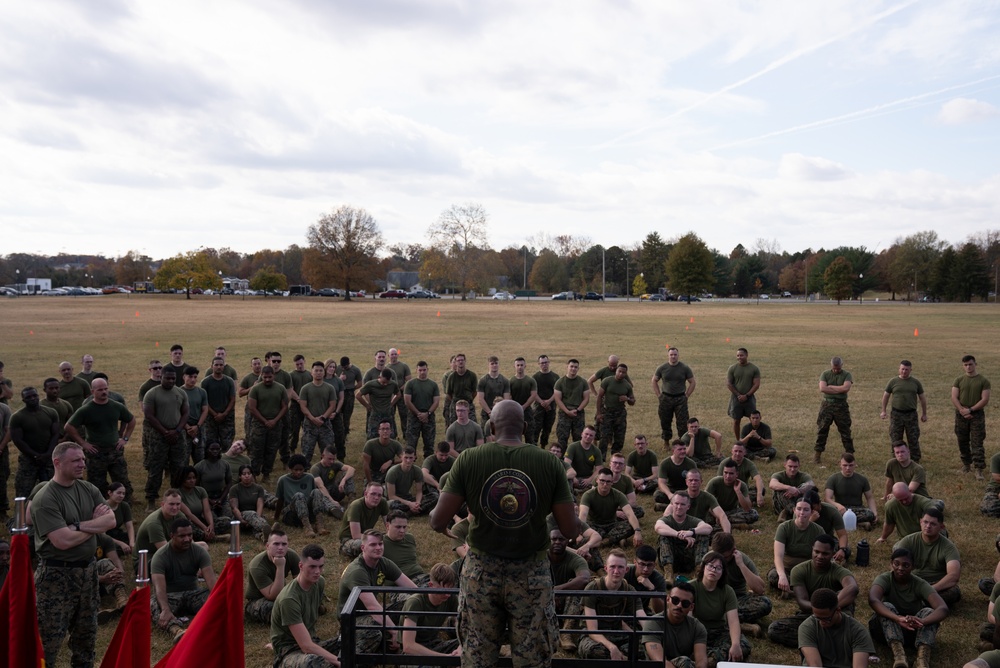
218, 625
20, 644
129, 647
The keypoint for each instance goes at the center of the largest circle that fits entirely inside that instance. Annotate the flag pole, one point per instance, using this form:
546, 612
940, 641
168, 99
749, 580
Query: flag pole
235, 550
20, 523
142, 571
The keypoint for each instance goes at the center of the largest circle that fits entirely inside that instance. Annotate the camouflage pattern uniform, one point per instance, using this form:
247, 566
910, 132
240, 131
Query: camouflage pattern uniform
863, 513
718, 645
30, 472
375, 419
163, 458
223, 433
890, 630
908, 421
676, 406
614, 532
103, 463
296, 513
752, 607
740, 516
971, 433
415, 429
68, 599
296, 659
258, 610
181, 603
427, 502
313, 434
264, 445
838, 413
350, 547
257, 524
613, 427
541, 424
567, 426
679, 556
524, 587
295, 422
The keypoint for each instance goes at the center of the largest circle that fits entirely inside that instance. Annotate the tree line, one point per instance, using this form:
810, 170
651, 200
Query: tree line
345, 249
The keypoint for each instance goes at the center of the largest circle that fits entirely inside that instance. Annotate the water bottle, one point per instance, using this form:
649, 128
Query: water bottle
861, 557
850, 520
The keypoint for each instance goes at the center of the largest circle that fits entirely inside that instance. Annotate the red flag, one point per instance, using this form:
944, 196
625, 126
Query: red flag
218, 625
20, 644
129, 647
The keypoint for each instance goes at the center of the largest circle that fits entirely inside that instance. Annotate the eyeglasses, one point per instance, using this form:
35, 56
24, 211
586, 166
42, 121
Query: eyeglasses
683, 602
713, 567
274, 361
155, 368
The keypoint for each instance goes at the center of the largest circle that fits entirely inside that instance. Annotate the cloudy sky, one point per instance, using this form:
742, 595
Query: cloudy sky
166, 126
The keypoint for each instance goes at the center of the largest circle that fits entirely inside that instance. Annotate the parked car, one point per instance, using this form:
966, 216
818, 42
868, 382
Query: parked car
653, 297
503, 296
329, 292
688, 298
786, 294
593, 297
393, 294
610, 295
422, 294
765, 296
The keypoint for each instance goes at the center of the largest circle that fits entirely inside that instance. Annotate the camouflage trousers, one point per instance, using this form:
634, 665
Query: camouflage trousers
709, 461
780, 502
105, 463
258, 610
303, 509
375, 419
295, 422
568, 427
681, 557
284, 443
415, 430
752, 607
223, 433
404, 415
991, 501
672, 408
220, 524
263, 447
542, 421
297, 659
762, 453
182, 603
67, 599
908, 422
742, 517
257, 525
497, 595
718, 645
887, 630
588, 648
613, 426
830, 413
448, 412
864, 514
313, 435
347, 410
334, 489
613, 532
164, 458
428, 500
951, 595
971, 433
350, 547
30, 472
247, 424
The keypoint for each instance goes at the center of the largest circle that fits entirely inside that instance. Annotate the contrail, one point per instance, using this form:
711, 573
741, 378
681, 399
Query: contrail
770, 67
877, 110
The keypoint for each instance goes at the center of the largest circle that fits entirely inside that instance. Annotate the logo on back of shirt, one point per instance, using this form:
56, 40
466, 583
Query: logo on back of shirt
509, 498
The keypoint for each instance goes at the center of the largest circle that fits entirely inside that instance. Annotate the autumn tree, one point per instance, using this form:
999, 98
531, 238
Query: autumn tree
549, 273
914, 256
186, 271
653, 260
689, 266
838, 279
343, 246
461, 233
269, 279
131, 267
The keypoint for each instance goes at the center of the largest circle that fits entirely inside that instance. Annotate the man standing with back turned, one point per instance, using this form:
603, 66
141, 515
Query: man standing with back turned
510, 487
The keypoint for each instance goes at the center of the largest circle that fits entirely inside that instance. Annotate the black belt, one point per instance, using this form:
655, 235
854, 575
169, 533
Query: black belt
673, 396
904, 410
58, 563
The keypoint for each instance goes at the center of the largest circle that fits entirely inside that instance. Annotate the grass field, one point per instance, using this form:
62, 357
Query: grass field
790, 342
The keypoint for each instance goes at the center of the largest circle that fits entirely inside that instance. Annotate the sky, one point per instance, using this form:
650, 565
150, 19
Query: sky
163, 127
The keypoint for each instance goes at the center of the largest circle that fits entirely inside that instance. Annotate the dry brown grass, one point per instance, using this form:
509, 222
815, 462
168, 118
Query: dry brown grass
791, 343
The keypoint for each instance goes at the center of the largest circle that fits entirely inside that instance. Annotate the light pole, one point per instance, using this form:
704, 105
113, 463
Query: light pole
221, 286
603, 274
861, 297
628, 288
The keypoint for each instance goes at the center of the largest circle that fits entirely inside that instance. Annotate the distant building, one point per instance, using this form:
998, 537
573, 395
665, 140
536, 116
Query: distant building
233, 283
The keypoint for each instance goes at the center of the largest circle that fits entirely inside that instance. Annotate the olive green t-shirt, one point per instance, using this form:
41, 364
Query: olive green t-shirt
798, 542
909, 598
464, 436
603, 509
404, 480
300, 379
359, 574
380, 454
642, 466
328, 474
167, 405
566, 570
403, 553
462, 387
493, 387
36, 426
904, 393
61, 407
318, 397
702, 448
180, 567
836, 380
673, 378
246, 497
746, 470
288, 487
197, 401
262, 572
55, 507
710, 607
907, 518
235, 462
437, 468
421, 393
798, 480
930, 562
725, 494
379, 395
154, 529
830, 519
193, 498
849, 492
220, 392
836, 644
146, 387
703, 505
74, 391
690, 522
367, 517
101, 422
677, 639
741, 376
572, 390
612, 609
613, 389
584, 461
735, 577
674, 473
214, 476
806, 575
294, 605
970, 389
897, 473
269, 399
624, 484
521, 388
545, 383
420, 610
509, 490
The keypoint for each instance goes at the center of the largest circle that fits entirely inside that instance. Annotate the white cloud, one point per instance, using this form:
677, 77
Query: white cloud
963, 110
797, 167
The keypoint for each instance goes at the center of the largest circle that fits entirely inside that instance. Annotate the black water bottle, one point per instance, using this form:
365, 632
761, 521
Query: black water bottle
861, 557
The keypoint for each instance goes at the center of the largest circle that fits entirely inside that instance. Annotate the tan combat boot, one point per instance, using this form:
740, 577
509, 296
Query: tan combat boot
923, 657
898, 654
